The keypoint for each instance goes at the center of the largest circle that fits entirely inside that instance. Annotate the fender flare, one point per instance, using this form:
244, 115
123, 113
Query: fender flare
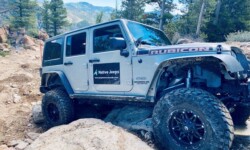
231, 64
63, 79
241, 57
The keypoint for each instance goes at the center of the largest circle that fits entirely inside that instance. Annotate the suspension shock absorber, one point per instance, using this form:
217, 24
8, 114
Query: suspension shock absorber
188, 79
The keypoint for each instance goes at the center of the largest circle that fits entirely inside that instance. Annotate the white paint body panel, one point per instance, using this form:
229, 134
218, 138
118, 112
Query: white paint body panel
111, 57
77, 73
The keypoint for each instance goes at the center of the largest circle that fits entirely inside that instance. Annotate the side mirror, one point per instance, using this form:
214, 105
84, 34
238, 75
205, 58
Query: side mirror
124, 53
119, 43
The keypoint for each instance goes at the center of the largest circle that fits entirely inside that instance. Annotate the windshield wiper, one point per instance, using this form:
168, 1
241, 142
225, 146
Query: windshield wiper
140, 41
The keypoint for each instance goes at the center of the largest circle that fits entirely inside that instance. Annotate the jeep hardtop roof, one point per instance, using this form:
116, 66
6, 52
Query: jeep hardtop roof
96, 25
63, 34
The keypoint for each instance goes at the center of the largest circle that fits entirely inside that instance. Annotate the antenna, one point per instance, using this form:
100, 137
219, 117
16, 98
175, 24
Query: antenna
116, 9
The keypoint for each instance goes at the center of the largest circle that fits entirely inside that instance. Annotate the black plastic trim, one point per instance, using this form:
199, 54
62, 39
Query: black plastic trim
113, 99
63, 79
57, 61
142, 52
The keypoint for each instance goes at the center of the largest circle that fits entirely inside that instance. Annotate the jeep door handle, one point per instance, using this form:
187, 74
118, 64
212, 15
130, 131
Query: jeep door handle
94, 60
68, 63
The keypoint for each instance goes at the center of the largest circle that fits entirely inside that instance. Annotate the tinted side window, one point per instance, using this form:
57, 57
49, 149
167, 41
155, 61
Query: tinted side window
102, 38
53, 49
53, 52
76, 44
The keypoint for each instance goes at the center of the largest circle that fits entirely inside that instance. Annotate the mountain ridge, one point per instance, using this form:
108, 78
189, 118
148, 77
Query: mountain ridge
84, 11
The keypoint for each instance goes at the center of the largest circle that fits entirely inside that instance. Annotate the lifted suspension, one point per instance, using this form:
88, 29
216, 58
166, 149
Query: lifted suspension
188, 79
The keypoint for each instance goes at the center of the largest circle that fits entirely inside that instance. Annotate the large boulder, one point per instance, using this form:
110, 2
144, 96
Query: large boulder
43, 35
90, 134
184, 41
28, 41
37, 114
4, 47
132, 118
3, 35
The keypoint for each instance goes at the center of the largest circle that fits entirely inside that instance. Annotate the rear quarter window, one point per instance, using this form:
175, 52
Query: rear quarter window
53, 52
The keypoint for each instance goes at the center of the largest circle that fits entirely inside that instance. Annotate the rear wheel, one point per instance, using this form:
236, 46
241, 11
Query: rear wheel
192, 119
57, 107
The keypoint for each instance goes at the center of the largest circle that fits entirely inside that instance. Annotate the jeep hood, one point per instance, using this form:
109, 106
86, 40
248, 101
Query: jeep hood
210, 49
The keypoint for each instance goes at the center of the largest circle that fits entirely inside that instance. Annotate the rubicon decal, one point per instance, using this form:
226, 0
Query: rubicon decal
176, 50
180, 50
106, 73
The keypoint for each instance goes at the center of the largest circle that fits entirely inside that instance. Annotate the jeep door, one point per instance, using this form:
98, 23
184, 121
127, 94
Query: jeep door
76, 60
109, 70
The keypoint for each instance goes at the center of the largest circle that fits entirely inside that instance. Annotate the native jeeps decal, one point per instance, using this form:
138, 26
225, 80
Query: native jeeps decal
108, 73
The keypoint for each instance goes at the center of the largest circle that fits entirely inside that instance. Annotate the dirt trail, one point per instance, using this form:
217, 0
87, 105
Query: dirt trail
19, 90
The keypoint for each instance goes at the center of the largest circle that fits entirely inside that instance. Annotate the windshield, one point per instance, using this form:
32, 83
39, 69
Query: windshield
145, 35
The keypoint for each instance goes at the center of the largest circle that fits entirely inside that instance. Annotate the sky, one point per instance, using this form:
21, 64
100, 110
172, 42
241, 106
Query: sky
112, 3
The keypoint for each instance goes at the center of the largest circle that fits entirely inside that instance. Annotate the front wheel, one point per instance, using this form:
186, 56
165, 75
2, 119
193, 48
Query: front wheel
192, 119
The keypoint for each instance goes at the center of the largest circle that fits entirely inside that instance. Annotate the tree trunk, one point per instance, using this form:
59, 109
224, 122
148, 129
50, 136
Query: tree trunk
55, 29
21, 10
116, 9
47, 22
217, 12
200, 18
162, 15
131, 11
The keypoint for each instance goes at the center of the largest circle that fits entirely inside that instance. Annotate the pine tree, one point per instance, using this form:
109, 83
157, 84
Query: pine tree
132, 9
197, 13
165, 8
232, 16
4, 8
99, 17
4, 11
116, 14
46, 16
23, 15
58, 16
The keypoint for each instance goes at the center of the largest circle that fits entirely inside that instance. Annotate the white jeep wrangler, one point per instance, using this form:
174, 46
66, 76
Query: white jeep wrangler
197, 91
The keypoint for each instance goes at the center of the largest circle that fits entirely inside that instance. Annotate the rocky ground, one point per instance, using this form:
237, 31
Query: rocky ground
89, 134
19, 92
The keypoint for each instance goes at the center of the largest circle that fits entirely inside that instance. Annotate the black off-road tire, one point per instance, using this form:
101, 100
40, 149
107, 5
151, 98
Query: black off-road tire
203, 113
57, 108
240, 115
